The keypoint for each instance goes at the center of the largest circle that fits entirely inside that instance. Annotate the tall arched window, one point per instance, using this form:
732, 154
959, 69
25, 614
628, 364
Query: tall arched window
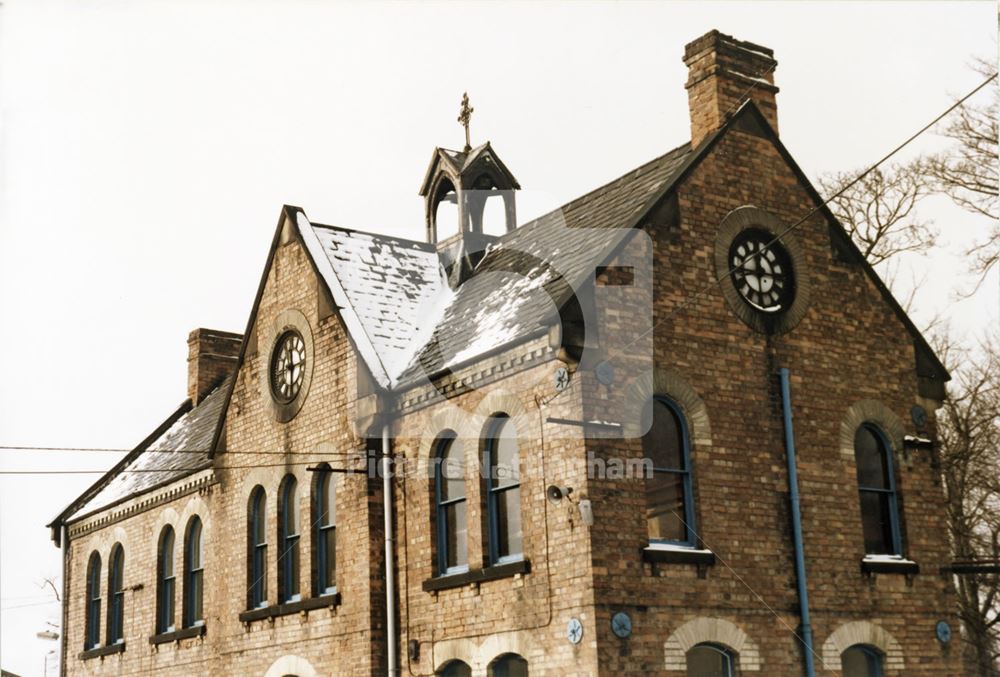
669, 504
194, 574
449, 495
116, 595
257, 545
877, 487
165, 581
325, 532
92, 638
503, 490
288, 541
455, 669
861, 661
709, 660
509, 665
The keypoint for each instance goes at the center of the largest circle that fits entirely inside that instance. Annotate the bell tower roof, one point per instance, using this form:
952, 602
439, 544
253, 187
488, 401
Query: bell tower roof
461, 164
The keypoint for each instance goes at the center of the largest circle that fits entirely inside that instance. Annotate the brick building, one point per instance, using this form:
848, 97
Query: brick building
593, 422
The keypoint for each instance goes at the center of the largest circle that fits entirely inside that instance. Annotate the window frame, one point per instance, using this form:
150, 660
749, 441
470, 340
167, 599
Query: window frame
501, 660
493, 428
257, 550
165, 584
687, 481
324, 483
92, 623
870, 652
885, 448
289, 567
116, 595
443, 443
729, 654
191, 574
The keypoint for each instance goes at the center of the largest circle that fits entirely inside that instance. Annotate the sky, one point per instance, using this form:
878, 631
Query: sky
146, 149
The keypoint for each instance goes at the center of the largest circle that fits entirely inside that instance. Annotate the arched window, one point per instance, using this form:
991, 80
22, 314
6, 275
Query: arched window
449, 495
709, 660
257, 544
116, 595
455, 669
288, 541
509, 665
669, 504
325, 532
194, 574
93, 634
165, 581
861, 660
877, 487
503, 491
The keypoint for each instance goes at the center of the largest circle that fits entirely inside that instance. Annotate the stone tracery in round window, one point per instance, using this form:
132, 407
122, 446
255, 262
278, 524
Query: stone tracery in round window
761, 271
288, 364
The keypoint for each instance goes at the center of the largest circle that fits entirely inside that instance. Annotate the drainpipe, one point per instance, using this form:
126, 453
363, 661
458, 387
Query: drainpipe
800, 560
390, 573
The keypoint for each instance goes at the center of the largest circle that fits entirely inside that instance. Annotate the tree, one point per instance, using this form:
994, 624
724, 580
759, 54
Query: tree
879, 210
969, 171
969, 447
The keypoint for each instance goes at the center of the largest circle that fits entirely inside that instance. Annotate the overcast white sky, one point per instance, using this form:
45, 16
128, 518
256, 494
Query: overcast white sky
147, 147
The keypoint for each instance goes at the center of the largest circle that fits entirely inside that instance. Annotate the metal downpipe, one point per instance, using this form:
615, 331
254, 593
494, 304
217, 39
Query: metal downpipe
390, 572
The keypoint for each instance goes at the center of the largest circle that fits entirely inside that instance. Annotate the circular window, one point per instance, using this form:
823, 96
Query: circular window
761, 271
288, 366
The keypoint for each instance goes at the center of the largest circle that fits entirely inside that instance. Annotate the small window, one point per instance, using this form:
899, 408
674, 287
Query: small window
861, 661
503, 491
877, 488
509, 665
709, 660
116, 596
449, 490
93, 634
455, 669
288, 541
257, 543
165, 582
194, 574
669, 505
325, 532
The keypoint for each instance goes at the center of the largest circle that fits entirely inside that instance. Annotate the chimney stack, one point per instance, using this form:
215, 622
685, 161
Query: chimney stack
212, 356
723, 72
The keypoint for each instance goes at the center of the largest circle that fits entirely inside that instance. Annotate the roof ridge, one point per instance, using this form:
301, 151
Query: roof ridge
384, 236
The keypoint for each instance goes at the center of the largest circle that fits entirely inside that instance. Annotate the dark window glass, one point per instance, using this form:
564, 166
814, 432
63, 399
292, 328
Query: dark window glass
116, 596
861, 661
876, 486
194, 574
165, 588
288, 558
452, 536
709, 660
93, 634
510, 665
503, 484
669, 509
325, 532
455, 669
257, 542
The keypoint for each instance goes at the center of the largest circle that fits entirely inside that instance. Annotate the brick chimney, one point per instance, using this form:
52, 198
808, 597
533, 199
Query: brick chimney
723, 72
212, 357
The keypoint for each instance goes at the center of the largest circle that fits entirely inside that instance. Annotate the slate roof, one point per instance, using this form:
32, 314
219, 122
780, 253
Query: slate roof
180, 450
394, 298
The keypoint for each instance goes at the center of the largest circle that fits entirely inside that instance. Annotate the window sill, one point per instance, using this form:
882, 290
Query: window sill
102, 651
672, 554
492, 573
288, 608
889, 565
176, 635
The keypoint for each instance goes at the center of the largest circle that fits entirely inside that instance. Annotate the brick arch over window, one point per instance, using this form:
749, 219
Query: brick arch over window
714, 631
668, 383
863, 632
291, 665
504, 402
869, 411
479, 654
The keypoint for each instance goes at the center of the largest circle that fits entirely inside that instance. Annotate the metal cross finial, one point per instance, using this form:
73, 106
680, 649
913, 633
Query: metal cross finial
464, 115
